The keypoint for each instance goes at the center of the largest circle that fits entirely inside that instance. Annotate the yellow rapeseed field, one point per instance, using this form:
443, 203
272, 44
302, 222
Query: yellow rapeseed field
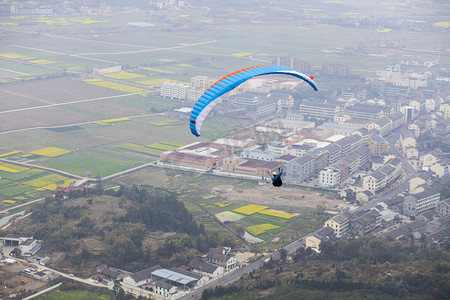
43, 61
50, 187
46, 181
116, 120
261, 228
12, 168
9, 153
442, 24
9, 201
157, 70
51, 152
250, 209
67, 182
242, 54
123, 75
12, 55
276, 214
115, 86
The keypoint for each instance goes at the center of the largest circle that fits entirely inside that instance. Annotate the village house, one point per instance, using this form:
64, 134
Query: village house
165, 289
322, 235
382, 126
443, 208
140, 278
438, 224
423, 180
201, 267
339, 224
228, 262
414, 204
407, 140
27, 244
363, 223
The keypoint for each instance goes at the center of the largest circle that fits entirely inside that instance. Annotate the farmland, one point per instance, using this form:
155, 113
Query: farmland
57, 113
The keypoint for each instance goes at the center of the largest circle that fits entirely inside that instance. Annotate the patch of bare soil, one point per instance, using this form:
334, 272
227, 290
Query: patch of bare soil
14, 282
284, 196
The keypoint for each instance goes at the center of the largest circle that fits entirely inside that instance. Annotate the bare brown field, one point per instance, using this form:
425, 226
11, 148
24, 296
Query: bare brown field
51, 91
285, 196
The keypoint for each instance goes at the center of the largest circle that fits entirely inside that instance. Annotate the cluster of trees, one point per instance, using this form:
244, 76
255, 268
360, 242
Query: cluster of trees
63, 227
359, 268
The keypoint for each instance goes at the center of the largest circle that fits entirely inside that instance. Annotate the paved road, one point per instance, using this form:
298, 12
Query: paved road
227, 278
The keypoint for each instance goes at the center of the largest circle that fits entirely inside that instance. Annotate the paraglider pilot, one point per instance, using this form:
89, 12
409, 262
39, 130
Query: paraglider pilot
276, 177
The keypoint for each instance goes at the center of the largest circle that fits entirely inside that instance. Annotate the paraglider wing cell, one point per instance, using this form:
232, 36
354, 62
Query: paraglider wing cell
209, 99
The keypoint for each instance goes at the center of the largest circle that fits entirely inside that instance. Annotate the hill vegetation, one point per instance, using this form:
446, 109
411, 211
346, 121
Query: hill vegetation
129, 228
364, 268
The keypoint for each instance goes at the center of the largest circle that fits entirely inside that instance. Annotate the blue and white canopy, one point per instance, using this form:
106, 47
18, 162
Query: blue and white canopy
209, 99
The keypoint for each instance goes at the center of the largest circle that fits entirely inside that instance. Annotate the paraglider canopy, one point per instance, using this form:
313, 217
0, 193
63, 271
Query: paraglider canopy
209, 99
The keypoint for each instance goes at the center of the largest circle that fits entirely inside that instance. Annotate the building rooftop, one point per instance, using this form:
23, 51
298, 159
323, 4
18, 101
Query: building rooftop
174, 276
304, 159
202, 266
378, 175
324, 232
335, 138
405, 133
395, 115
287, 157
357, 121
383, 121
218, 256
164, 284
341, 218
144, 274
426, 193
255, 163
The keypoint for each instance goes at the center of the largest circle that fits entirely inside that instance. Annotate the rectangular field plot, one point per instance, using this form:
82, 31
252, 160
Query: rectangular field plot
10, 168
160, 146
46, 180
250, 209
97, 161
15, 189
111, 121
157, 70
123, 75
261, 228
141, 149
275, 213
173, 143
9, 153
228, 216
51, 152
115, 86
163, 123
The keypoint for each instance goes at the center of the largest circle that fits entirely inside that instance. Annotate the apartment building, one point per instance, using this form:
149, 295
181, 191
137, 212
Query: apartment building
414, 204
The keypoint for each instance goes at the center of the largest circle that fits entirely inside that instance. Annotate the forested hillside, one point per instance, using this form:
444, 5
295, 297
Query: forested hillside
363, 268
130, 229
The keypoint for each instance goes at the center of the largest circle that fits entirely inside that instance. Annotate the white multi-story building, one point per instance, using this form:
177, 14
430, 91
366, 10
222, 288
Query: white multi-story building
174, 90
330, 177
414, 204
278, 148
